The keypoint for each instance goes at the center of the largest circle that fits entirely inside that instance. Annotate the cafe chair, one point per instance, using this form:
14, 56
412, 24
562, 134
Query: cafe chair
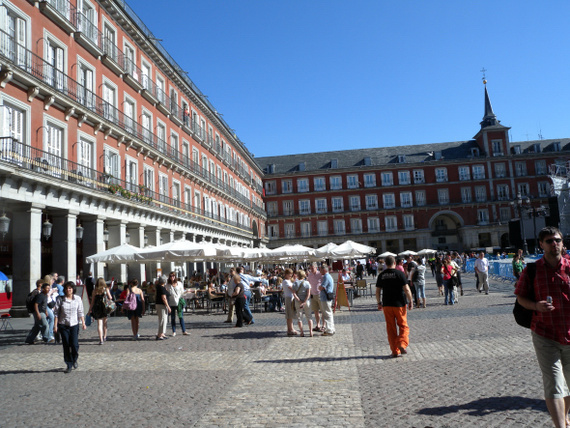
362, 287
5, 323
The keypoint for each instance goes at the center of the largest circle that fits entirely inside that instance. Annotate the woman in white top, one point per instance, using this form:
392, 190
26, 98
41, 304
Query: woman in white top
68, 311
176, 289
288, 298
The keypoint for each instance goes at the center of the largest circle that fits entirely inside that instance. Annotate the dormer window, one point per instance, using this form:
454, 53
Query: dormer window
536, 148
334, 163
497, 146
271, 168
301, 166
437, 155
517, 149
401, 158
474, 151
556, 146
367, 161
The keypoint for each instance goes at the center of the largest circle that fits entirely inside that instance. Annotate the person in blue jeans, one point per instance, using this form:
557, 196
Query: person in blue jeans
246, 281
40, 316
176, 289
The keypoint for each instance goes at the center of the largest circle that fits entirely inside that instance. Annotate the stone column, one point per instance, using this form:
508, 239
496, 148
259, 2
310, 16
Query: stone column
117, 236
27, 255
92, 244
135, 269
167, 236
64, 235
153, 240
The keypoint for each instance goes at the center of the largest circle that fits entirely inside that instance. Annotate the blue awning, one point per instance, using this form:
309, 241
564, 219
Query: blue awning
3, 277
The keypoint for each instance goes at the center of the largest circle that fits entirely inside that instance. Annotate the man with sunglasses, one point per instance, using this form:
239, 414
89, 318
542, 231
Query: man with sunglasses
548, 295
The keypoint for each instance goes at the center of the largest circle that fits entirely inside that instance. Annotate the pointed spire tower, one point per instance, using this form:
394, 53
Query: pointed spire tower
493, 138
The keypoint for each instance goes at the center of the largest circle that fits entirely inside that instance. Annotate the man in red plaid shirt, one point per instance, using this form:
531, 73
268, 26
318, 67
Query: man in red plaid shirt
550, 321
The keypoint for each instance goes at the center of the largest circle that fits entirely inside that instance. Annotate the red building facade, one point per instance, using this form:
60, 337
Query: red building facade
455, 196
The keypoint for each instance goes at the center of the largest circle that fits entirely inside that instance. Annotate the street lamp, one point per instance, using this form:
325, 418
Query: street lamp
79, 232
46, 228
518, 204
4, 224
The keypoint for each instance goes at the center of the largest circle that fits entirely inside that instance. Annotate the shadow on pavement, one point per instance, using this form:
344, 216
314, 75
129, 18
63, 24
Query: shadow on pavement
7, 372
485, 406
327, 359
248, 335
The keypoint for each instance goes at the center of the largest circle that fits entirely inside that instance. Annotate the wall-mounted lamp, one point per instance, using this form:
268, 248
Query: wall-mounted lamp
79, 232
4, 224
145, 240
128, 238
46, 229
105, 236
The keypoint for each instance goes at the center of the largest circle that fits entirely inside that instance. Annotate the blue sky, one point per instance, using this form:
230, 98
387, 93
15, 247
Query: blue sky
301, 76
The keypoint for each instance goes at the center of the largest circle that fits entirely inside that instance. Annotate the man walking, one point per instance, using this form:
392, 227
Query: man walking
482, 271
315, 279
40, 316
548, 295
392, 290
326, 295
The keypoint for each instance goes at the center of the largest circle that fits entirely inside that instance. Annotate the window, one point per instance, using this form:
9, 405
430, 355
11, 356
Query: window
54, 145
404, 177
302, 185
391, 223
478, 172
287, 186
523, 189
464, 173
129, 110
419, 176
406, 199
388, 200
289, 230
540, 167
146, 76
443, 196
146, 123
556, 146
288, 208
163, 187
339, 227
480, 193
322, 228
352, 181
176, 197
269, 185
497, 146
109, 101
355, 203
408, 221
337, 204
466, 195
504, 214
273, 231
161, 138
369, 180
305, 207
355, 225
84, 157
517, 149
543, 189
148, 176
387, 179
160, 95
520, 169
272, 209
174, 103
306, 229
483, 216
420, 198
321, 205
17, 29
86, 79
319, 183
14, 124
503, 192
371, 202
131, 174
188, 199
373, 225
500, 170
54, 68
441, 174
130, 60
336, 182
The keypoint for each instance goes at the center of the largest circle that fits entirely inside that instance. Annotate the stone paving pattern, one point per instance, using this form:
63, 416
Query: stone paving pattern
468, 365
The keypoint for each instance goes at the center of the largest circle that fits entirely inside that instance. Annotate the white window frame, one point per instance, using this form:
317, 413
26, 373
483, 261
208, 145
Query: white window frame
478, 172
500, 169
302, 188
388, 201
464, 173
287, 186
419, 177
373, 224
352, 181
408, 220
420, 197
404, 177
354, 206
443, 196
441, 175
371, 202
391, 223
321, 205
370, 180
304, 206
466, 195
320, 184
406, 200
355, 226
387, 178
337, 203
480, 193
335, 182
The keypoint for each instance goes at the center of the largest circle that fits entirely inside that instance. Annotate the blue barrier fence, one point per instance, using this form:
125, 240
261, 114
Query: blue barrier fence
500, 268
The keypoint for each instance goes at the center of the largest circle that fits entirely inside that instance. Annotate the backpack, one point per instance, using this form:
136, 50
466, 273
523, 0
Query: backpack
415, 276
30, 300
523, 316
130, 303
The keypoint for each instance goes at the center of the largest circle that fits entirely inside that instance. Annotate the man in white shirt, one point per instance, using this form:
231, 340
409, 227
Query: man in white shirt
482, 270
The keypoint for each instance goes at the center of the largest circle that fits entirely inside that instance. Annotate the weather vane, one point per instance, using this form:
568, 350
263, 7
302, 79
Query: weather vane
483, 70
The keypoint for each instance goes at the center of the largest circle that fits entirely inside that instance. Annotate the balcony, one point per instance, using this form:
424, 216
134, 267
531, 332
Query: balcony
66, 172
133, 75
62, 12
113, 57
163, 102
88, 35
149, 89
38, 71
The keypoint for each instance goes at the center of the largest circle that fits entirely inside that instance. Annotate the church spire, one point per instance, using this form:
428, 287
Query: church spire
489, 119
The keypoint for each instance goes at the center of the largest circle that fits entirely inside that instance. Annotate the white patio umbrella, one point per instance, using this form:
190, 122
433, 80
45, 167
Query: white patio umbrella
326, 250
426, 251
121, 254
408, 253
180, 250
386, 254
291, 253
241, 254
352, 250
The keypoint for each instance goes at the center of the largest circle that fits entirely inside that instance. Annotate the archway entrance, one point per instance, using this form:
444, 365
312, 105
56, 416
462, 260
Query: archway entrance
445, 234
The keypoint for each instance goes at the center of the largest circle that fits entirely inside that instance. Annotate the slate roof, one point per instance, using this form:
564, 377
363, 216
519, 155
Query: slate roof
389, 155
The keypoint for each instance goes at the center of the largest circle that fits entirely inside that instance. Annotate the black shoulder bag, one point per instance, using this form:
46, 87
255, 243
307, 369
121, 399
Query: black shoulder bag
523, 316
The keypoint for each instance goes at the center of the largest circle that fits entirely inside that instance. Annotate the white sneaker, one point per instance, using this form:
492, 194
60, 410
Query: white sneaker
173, 334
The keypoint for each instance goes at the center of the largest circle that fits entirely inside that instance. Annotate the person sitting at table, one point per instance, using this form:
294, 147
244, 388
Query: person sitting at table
275, 301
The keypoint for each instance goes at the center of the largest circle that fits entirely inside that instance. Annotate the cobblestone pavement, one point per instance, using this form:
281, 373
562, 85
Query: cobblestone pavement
468, 365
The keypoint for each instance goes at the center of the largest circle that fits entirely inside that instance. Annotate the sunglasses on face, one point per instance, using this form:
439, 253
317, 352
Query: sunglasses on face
551, 240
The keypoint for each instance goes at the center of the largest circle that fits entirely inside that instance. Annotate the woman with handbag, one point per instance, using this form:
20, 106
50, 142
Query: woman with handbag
135, 314
98, 308
447, 272
176, 289
162, 307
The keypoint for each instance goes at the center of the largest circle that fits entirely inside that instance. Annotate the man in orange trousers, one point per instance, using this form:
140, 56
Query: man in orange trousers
391, 292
